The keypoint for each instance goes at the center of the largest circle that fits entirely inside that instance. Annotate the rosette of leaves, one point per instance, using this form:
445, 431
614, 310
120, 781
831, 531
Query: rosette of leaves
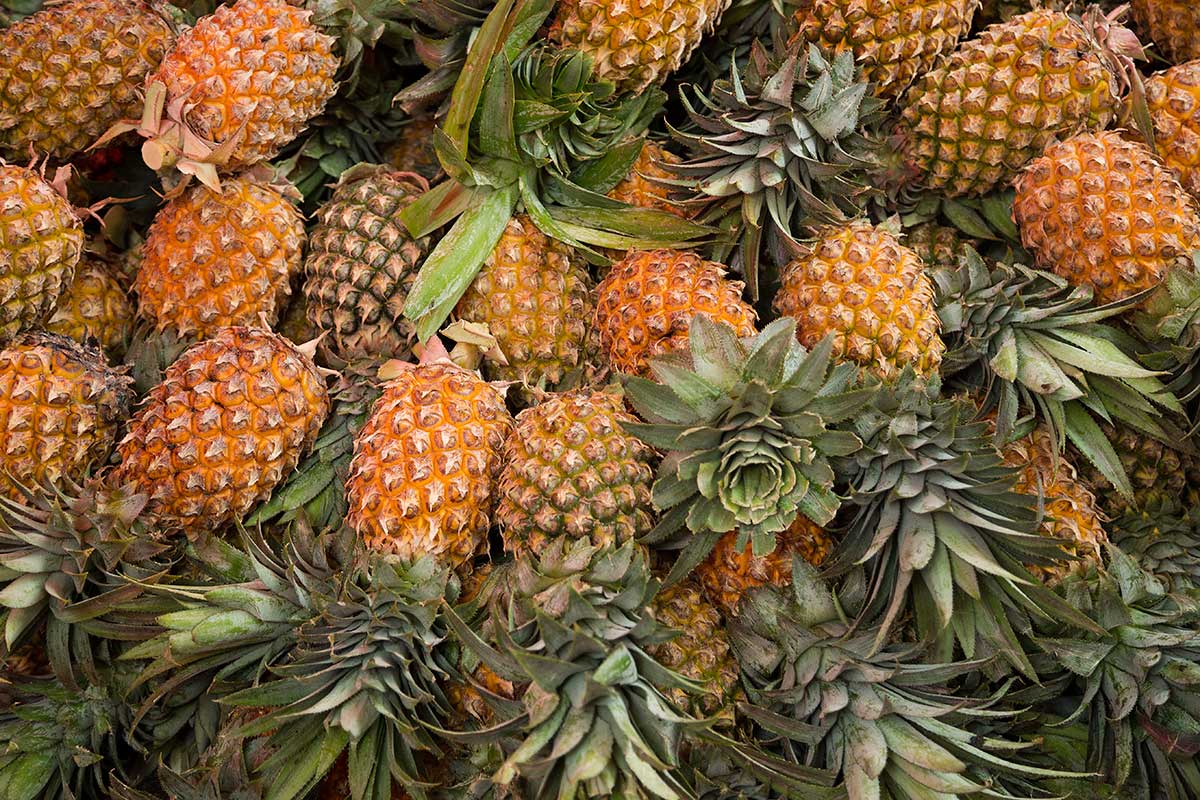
876, 714
1164, 541
745, 425
777, 145
1033, 344
1135, 681
363, 675
1169, 322
939, 529
528, 130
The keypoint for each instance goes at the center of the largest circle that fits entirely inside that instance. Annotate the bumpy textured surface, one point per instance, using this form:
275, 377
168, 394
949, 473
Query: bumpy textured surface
1069, 507
637, 43
860, 284
970, 124
94, 307
895, 41
361, 263
1173, 25
533, 294
60, 405
41, 241
571, 470
414, 150
728, 574
1160, 475
229, 421
257, 70
642, 187
700, 652
1174, 100
937, 245
645, 305
214, 259
1100, 211
424, 474
70, 71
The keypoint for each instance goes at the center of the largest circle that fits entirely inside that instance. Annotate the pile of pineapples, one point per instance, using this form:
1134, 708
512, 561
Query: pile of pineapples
713, 399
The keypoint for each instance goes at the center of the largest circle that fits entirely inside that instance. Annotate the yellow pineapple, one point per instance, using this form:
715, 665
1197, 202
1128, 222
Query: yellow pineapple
1173, 97
1173, 25
95, 307
644, 186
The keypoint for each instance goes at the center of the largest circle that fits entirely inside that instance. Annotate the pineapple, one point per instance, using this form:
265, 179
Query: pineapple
1173, 97
969, 125
361, 263
534, 296
894, 41
423, 479
858, 283
1069, 507
730, 573
41, 241
60, 407
73, 69
1159, 473
213, 259
229, 421
1173, 25
571, 470
635, 46
646, 303
95, 307
1100, 211
647, 184
414, 150
236, 88
937, 245
700, 652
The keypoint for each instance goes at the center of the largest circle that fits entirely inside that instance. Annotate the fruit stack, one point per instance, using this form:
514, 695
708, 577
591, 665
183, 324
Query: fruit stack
467, 399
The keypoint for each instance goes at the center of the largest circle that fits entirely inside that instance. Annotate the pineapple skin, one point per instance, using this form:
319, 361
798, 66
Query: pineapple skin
969, 125
41, 241
642, 187
1100, 211
1160, 474
858, 283
60, 408
72, 70
937, 245
637, 44
216, 259
570, 469
250, 75
424, 476
894, 41
228, 423
1173, 25
96, 307
535, 297
361, 264
414, 150
645, 305
1174, 100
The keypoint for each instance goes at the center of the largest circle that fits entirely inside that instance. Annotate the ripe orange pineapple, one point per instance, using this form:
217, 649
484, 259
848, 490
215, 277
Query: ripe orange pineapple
219, 258
857, 282
533, 293
570, 469
643, 186
73, 69
1174, 100
729, 574
635, 45
423, 478
94, 307
229, 421
41, 240
1100, 211
1173, 25
60, 407
645, 305
894, 41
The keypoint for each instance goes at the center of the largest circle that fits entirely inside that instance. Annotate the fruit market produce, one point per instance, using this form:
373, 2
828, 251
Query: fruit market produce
588, 399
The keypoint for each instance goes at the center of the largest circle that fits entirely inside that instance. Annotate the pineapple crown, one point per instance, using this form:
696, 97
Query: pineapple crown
1164, 541
1169, 322
595, 717
745, 427
1031, 341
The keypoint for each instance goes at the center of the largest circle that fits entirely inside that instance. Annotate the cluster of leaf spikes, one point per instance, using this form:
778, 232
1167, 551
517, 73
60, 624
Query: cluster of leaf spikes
1169, 324
1165, 541
778, 145
937, 527
1033, 344
595, 718
712, 772
529, 130
745, 428
878, 714
1133, 684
